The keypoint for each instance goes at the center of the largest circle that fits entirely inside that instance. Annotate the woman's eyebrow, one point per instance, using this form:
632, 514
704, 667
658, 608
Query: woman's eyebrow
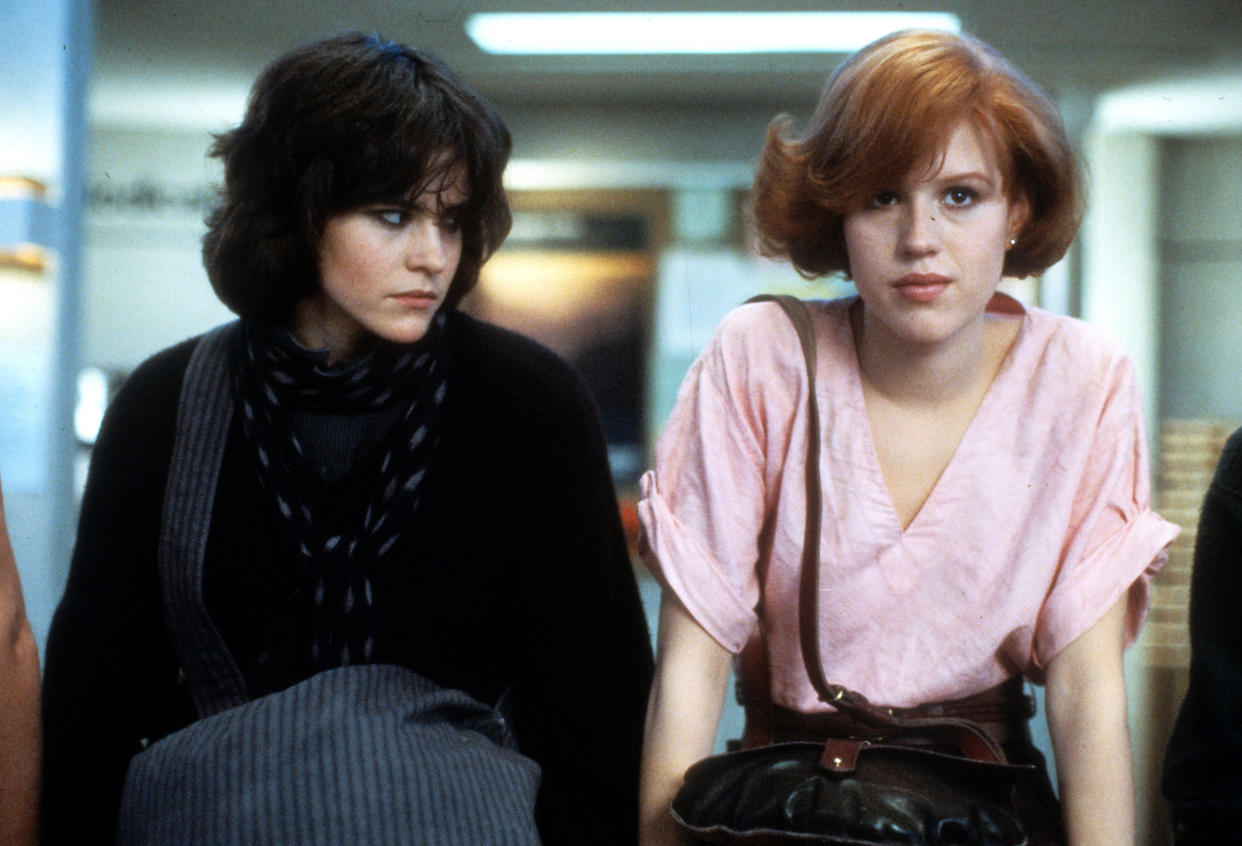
967, 175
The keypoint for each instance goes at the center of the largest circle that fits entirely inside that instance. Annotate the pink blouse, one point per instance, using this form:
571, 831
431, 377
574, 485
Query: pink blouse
1038, 525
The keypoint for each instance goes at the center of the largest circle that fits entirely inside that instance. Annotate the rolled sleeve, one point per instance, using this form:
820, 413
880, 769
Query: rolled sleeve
703, 506
685, 566
1125, 563
1118, 543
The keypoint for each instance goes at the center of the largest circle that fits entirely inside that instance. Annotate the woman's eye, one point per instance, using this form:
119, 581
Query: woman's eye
959, 196
392, 217
885, 198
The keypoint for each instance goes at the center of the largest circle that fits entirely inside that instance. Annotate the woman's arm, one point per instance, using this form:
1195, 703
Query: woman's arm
1086, 702
683, 711
19, 706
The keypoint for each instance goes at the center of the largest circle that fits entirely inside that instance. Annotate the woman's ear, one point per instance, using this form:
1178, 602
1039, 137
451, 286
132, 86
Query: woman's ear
1019, 211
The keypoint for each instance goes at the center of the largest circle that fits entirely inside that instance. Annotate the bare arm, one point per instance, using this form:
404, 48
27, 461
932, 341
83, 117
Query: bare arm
19, 706
1086, 700
683, 712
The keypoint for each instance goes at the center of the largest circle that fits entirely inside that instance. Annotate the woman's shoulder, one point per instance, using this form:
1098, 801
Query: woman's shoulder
1073, 333
756, 344
754, 320
505, 366
157, 380
136, 437
473, 338
1066, 372
1072, 345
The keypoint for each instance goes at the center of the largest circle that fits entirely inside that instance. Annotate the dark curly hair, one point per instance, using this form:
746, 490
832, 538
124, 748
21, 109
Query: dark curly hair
344, 122
889, 108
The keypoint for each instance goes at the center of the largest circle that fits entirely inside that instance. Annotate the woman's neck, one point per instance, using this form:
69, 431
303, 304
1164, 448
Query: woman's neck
920, 400
318, 325
908, 373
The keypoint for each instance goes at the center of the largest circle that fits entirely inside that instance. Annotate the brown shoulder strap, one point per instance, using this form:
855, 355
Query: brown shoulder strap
753, 669
808, 588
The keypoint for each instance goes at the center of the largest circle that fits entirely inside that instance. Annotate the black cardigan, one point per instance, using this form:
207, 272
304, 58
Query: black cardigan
513, 574
1203, 765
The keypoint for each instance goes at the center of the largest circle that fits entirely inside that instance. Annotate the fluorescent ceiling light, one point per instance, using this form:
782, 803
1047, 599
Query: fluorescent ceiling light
692, 32
1174, 107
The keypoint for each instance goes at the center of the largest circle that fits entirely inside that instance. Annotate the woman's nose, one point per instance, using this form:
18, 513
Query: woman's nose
426, 249
920, 230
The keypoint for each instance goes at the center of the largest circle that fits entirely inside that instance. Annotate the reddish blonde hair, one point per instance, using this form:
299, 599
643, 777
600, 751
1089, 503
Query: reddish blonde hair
891, 107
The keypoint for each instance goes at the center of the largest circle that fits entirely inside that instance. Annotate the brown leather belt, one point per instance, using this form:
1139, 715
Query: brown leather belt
1003, 712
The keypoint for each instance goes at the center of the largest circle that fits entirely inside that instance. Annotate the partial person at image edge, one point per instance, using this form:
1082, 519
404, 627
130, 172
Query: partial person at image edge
1203, 764
19, 706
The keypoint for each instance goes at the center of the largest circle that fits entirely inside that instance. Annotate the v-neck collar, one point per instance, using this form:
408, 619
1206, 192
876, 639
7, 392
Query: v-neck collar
887, 523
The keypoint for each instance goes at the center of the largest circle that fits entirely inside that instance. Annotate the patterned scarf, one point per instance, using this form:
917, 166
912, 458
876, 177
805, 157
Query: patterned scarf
337, 553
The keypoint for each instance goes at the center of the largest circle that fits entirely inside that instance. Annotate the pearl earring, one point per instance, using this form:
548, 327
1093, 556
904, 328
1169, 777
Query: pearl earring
1013, 242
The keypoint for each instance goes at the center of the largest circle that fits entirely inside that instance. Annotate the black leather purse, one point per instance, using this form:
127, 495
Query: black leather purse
922, 781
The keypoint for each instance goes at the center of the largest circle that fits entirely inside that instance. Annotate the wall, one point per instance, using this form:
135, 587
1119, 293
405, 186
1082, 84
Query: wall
1201, 278
44, 67
145, 284
1120, 288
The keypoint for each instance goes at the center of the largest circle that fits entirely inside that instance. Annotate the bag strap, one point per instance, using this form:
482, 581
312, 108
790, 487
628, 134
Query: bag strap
204, 412
808, 588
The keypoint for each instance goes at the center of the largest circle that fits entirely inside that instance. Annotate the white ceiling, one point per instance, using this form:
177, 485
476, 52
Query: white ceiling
189, 62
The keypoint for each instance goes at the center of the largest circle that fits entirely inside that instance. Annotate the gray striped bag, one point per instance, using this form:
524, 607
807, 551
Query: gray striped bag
372, 755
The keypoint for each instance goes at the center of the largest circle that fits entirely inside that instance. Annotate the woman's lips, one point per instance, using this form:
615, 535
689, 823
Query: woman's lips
416, 299
922, 287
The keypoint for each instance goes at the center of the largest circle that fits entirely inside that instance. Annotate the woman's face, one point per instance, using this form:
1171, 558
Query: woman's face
384, 269
926, 253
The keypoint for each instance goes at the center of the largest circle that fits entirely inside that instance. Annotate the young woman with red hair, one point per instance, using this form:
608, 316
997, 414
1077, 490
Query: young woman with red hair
983, 463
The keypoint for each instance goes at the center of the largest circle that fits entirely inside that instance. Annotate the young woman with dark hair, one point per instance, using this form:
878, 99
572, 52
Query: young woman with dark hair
347, 123
983, 463
399, 484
